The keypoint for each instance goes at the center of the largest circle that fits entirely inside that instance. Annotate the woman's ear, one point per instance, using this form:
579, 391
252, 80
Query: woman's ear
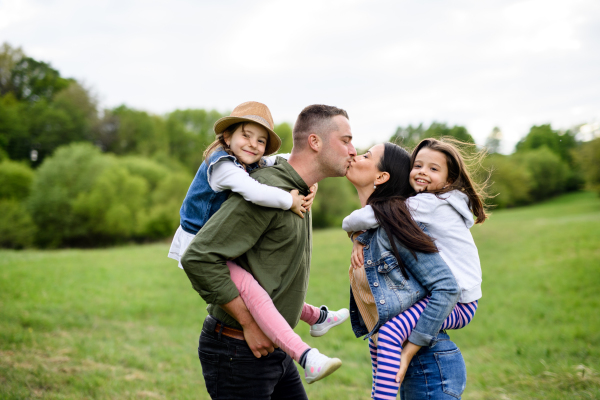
382, 177
314, 141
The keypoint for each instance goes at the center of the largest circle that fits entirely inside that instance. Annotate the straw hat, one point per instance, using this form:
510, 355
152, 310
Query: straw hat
252, 111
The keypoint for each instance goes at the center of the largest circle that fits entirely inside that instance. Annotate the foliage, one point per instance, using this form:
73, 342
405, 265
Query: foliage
85, 198
510, 183
17, 229
15, 180
549, 173
410, 136
560, 143
588, 158
336, 198
284, 131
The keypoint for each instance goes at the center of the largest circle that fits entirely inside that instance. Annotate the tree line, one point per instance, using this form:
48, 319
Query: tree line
72, 174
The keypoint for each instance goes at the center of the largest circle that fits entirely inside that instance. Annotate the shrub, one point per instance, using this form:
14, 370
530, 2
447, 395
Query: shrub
510, 181
85, 198
17, 229
336, 198
588, 159
15, 180
548, 172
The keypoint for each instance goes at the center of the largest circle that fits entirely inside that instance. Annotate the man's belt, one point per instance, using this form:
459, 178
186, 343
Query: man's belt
227, 331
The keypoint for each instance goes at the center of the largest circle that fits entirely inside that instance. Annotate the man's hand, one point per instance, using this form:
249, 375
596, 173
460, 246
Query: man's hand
297, 203
259, 343
408, 352
308, 200
357, 259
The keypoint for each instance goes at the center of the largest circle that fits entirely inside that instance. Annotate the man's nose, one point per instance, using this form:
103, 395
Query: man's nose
352, 150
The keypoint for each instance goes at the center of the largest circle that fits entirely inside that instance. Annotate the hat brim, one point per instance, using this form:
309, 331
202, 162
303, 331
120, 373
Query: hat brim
274, 139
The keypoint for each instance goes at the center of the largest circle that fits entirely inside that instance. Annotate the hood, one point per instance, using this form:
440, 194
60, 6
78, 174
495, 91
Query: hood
460, 202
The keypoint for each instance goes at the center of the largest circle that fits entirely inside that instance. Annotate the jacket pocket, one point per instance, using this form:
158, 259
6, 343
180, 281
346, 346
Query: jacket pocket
390, 269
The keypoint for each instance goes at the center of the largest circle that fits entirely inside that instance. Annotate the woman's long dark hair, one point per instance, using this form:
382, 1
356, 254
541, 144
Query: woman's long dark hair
389, 204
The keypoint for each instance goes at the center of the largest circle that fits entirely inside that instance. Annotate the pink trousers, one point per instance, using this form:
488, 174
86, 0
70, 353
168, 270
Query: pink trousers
266, 315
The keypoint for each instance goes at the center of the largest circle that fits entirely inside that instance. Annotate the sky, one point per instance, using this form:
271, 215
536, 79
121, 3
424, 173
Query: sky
480, 64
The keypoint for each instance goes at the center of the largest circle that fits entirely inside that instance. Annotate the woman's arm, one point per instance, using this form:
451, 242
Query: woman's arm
435, 276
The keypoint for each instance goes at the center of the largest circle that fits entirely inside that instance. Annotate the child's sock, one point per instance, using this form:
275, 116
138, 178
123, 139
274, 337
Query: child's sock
327, 320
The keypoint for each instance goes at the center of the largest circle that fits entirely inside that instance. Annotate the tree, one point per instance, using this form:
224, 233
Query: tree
410, 136
284, 131
560, 143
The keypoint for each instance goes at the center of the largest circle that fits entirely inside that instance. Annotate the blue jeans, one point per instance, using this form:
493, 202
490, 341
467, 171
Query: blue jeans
435, 373
232, 372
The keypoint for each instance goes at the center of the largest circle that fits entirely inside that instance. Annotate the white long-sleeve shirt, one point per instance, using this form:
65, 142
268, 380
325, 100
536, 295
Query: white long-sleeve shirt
226, 175
448, 220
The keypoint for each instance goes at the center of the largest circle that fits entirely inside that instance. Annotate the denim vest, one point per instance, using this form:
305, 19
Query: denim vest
201, 202
393, 293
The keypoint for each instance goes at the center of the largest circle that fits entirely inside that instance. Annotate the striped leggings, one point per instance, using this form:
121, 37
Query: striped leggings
385, 356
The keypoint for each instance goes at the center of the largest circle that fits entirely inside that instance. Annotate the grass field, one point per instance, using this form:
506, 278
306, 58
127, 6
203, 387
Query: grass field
123, 323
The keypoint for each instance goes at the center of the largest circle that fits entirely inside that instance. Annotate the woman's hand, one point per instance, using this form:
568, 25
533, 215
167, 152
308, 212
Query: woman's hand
408, 352
357, 259
297, 201
308, 200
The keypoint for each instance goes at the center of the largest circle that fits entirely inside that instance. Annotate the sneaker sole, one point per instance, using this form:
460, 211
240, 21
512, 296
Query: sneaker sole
330, 367
324, 331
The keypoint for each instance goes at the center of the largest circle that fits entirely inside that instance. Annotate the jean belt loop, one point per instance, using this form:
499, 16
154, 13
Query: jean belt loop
220, 332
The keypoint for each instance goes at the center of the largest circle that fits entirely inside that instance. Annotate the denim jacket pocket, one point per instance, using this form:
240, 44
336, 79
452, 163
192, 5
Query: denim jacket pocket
390, 270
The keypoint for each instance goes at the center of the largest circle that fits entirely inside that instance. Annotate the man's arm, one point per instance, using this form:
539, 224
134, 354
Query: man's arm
228, 234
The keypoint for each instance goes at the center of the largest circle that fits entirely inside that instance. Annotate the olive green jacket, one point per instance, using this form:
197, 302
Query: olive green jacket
273, 244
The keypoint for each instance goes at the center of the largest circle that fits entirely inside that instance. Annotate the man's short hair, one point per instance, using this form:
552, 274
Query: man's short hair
317, 119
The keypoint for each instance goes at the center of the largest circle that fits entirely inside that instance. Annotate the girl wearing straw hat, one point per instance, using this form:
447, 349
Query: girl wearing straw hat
243, 140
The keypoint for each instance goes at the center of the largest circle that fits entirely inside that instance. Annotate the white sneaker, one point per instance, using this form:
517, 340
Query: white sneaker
318, 366
334, 318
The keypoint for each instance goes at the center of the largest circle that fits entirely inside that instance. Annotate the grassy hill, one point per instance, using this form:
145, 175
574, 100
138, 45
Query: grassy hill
123, 323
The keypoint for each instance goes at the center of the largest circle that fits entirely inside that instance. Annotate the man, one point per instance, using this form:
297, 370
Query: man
275, 246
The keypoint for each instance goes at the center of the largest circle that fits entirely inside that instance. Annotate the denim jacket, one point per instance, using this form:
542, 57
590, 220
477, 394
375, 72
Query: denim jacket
201, 202
394, 294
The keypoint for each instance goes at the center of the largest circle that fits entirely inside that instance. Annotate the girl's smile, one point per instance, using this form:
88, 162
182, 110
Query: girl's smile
430, 171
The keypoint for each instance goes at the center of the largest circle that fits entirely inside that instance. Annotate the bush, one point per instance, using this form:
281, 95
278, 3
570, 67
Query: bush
548, 172
336, 198
510, 181
588, 159
85, 198
17, 229
15, 180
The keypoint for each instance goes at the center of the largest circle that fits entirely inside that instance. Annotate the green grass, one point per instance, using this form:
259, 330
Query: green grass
123, 323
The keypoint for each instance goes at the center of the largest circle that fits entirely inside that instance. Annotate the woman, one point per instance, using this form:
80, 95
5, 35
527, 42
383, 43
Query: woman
398, 273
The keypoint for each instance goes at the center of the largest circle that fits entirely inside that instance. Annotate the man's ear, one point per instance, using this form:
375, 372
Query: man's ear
382, 177
315, 142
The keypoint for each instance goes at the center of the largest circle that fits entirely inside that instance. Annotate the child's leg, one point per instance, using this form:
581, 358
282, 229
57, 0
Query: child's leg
389, 346
373, 352
265, 314
461, 315
310, 314
395, 332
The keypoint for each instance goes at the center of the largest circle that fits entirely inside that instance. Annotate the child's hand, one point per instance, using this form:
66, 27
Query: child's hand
308, 200
357, 258
297, 201
408, 352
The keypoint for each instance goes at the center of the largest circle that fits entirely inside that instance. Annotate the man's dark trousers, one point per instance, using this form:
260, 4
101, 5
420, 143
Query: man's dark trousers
232, 372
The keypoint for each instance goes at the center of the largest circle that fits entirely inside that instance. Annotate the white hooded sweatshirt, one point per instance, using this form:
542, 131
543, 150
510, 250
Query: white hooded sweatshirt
448, 220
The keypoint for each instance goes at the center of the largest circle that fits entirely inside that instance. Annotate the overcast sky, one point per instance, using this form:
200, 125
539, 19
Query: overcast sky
480, 64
